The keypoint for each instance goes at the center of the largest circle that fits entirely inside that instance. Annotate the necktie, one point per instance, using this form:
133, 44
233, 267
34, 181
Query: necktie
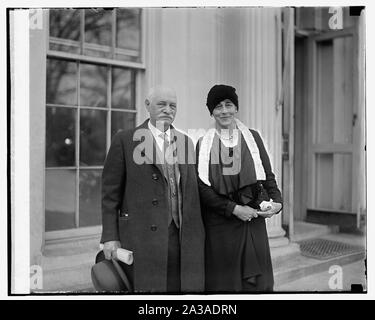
167, 152
170, 166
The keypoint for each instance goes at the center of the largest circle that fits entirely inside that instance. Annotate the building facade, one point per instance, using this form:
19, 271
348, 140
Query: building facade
90, 71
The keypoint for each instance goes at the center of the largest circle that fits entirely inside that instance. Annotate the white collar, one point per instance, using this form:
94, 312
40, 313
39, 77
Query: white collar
157, 133
205, 150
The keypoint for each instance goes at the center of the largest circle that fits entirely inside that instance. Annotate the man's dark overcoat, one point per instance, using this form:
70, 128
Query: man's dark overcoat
135, 209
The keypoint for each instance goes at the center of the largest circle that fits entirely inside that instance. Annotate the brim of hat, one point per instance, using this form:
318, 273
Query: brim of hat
108, 276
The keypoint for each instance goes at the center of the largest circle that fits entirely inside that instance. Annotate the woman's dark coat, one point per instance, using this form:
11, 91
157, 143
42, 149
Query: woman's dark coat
226, 236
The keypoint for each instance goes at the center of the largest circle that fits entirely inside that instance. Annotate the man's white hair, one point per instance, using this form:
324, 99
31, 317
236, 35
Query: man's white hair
157, 88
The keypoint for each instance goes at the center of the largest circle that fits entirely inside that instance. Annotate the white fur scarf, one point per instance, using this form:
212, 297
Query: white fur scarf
205, 150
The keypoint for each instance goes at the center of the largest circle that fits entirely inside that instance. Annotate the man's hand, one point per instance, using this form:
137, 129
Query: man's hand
109, 249
245, 213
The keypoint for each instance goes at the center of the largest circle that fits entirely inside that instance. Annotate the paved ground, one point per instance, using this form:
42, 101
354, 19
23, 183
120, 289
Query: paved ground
340, 279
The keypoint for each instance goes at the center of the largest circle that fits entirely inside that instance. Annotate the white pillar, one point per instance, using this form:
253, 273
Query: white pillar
259, 90
38, 62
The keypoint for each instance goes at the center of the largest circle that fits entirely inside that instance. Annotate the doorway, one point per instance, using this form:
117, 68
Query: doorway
326, 127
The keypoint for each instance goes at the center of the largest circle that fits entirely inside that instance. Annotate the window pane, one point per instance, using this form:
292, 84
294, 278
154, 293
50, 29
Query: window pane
334, 181
64, 24
89, 198
60, 199
98, 31
121, 121
98, 51
123, 86
324, 180
93, 137
342, 182
343, 93
93, 82
325, 103
126, 57
57, 45
60, 136
128, 24
61, 82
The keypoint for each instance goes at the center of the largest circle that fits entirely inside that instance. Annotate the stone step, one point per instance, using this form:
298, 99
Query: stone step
280, 255
66, 273
67, 266
69, 279
300, 267
306, 230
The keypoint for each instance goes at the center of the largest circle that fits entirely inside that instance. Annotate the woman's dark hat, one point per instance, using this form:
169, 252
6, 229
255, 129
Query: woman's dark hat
220, 92
110, 275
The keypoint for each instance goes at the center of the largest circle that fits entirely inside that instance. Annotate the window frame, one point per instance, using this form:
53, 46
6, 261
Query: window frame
100, 60
137, 68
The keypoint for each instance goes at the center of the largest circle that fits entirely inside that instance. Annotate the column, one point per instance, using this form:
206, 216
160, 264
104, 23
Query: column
38, 54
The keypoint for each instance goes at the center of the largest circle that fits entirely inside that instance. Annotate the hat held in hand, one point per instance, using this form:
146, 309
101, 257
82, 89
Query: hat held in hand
110, 275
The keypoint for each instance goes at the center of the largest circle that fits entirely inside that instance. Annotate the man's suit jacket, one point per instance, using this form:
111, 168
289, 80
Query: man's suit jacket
135, 209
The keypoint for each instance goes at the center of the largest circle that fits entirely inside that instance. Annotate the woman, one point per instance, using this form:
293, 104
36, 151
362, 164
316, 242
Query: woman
238, 191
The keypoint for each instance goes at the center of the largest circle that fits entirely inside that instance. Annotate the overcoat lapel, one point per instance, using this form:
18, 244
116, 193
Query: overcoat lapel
156, 157
153, 157
181, 157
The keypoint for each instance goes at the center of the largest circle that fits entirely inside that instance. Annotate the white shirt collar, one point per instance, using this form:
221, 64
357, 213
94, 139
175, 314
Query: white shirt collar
158, 135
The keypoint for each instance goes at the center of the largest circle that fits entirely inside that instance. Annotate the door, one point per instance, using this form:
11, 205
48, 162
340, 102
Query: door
332, 118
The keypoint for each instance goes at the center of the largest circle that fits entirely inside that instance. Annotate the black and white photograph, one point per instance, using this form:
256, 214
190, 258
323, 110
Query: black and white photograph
187, 150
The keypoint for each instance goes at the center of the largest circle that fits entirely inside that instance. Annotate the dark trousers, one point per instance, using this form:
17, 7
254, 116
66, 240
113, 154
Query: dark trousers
173, 268
257, 284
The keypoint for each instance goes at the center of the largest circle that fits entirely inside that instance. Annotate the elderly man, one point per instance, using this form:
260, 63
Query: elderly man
150, 201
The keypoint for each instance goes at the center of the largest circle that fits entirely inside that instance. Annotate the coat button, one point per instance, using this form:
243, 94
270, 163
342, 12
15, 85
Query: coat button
155, 202
154, 228
155, 176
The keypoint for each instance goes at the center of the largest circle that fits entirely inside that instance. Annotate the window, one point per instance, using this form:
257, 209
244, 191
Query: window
113, 34
93, 61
